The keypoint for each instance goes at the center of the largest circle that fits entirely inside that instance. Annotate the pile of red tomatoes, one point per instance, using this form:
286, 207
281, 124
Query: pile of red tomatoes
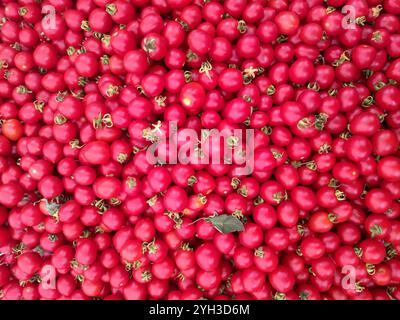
87, 87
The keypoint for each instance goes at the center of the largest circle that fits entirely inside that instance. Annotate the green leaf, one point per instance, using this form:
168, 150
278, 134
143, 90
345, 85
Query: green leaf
52, 207
226, 223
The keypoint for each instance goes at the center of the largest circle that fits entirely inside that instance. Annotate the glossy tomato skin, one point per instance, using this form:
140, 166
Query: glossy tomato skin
377, 200
12, 192
192, 97
91, 180
199, 42
12, 129
96, 152
207, 257
107, 187
154, 45
230, 80
282, 279
287, 22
